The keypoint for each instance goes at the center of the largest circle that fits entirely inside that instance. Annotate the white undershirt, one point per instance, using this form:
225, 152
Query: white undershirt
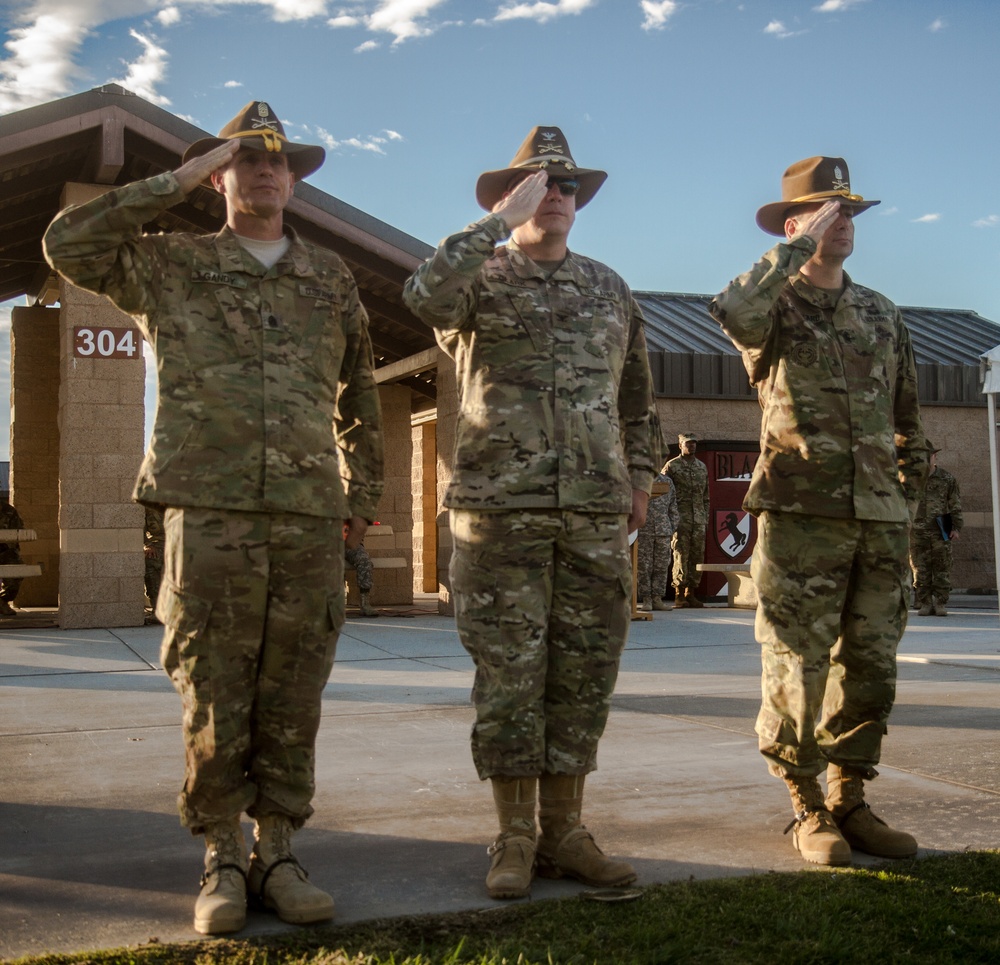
266, 252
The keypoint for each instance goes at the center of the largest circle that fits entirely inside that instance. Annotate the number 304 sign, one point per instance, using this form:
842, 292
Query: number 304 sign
106, 343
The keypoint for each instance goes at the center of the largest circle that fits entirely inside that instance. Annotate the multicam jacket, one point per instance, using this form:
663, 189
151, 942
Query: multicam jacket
941, 497
556, 405
841, 434
267, 401
690, 478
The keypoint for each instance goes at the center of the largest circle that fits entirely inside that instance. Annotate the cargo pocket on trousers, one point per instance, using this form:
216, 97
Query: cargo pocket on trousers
185, 617
620, 617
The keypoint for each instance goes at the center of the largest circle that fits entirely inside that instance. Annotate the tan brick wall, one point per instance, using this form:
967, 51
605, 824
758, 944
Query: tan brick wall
424, 508
101, 416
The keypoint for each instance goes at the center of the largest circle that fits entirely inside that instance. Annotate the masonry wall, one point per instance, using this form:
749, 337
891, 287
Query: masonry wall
34, 446
424, 508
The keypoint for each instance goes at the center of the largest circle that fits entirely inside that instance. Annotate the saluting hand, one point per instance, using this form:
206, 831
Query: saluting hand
519, 205
815, 224
192, 173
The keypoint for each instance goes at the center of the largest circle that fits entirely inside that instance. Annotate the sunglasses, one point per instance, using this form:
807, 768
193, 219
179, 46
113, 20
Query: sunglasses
566, 186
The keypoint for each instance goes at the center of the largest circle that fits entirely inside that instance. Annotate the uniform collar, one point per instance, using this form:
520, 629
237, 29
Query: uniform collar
232, 257
820, 298
524, 267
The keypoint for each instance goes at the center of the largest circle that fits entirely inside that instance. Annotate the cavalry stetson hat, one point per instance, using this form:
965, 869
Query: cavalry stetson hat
258, 128
544, 149
814, 179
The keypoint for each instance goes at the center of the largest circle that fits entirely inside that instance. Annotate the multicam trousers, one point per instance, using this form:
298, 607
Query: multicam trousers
542, 604
930, 560
252, 604
831, 611
689, 550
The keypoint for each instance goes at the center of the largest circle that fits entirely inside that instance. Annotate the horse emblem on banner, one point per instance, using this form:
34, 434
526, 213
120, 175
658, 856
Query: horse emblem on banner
732, 530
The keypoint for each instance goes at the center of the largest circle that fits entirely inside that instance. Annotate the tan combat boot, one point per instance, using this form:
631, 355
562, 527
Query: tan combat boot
512, 855
693, 601
367, 610
680, 598
816, 835
222, 905
659, 604
277, 878
566, 848
856, 820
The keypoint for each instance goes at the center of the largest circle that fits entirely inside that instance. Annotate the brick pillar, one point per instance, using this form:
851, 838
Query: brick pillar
101, 416
34, 445
425, 507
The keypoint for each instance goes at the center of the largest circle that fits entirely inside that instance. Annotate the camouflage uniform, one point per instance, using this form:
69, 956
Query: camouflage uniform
556, 427
9, 553
930, 552
843, 453
690, 477
653, 550
152, 544
267, 437
359, 561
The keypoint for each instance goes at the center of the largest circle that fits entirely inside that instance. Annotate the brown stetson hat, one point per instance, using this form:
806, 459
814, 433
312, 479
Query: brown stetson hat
259, 129
544, 149
814, 179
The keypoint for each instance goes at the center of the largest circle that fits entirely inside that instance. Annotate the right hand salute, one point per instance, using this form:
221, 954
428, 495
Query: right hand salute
519, 205
815, 223
192, 173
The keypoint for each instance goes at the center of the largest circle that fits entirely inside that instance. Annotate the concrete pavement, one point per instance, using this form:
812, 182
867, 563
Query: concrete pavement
92, 854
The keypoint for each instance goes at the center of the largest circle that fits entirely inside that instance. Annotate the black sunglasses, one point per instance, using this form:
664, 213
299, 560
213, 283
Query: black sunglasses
566, 186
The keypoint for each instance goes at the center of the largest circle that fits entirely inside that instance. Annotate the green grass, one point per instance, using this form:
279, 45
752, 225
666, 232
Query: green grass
933, 910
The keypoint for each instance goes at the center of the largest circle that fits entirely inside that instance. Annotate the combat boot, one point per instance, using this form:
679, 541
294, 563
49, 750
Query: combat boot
367, 610
856, 820
692, 600
816, 835
940, 610
566, 848
925, 611
680, 598
512, 854
222, 905
277, 878
660, 604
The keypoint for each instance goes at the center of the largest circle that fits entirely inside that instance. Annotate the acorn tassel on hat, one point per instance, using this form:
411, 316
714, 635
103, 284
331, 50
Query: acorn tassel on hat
258, 128
814, 179
544, 149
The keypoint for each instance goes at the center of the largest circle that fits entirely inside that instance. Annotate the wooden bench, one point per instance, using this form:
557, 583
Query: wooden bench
742, 592
13, 571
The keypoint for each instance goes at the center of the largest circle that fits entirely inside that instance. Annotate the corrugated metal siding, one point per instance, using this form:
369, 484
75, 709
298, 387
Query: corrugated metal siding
691, 356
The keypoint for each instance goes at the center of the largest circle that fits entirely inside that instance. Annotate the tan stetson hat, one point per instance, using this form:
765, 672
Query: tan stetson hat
814, 179
259, 129
544, 149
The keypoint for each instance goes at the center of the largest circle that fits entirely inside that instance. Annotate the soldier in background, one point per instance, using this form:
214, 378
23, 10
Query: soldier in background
10, 518
267, 444
653, 552
690, 476
937, 523
843, 461
557, 444
357, 559
152, 549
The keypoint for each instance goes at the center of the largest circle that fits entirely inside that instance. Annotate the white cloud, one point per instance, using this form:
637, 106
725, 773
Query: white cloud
344, 20
143, 75
233, 83
369, 143
777, 29
927, 219
836, 6
991, 221
168, 16
403, 18
657, 14
542, 11
937, 25
366, 46
887, 211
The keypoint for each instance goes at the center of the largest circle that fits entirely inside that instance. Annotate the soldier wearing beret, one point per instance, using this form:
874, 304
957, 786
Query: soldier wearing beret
267, 447
557, 447
843, 461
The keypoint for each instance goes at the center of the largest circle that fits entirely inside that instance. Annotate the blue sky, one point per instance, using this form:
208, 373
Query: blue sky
694, 108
